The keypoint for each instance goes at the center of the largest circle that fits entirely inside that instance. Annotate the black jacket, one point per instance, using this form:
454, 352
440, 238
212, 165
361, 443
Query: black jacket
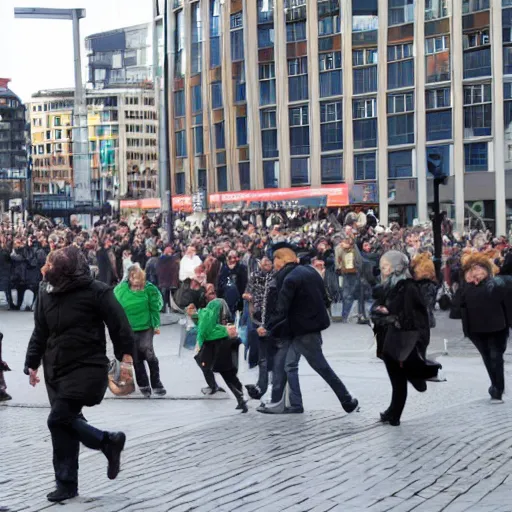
5, 269
302, 302
486, 307
69, 338
428, 290
227, 278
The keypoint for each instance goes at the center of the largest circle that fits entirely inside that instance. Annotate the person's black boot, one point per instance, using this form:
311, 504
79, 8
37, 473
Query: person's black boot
386, 417
113, 445
419, 385
62, 493
242, 405
4, 396
254, 391
351, 406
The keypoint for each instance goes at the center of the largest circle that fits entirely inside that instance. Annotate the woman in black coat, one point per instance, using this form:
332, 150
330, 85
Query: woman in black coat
486, 309
401, 316
69, 338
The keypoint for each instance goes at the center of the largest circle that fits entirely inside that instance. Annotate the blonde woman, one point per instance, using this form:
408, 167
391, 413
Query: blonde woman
142, 302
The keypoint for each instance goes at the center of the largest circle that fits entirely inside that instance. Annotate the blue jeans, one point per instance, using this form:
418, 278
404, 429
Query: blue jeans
350, 293
310, 346
286, 369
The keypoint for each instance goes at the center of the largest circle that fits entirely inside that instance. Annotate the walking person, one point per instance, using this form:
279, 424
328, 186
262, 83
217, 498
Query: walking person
142, 303
4, 396
402, 318
486, 306
167, 274
69, 339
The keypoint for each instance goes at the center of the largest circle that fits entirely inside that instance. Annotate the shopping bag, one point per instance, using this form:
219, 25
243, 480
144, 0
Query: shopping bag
120, 378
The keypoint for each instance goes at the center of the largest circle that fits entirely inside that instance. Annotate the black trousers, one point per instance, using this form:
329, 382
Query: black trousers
265, 362
492, 346
69, 428
144, 351
398, 379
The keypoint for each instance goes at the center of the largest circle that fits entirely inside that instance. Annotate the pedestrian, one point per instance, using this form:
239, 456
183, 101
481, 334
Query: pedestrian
167, 273
486, 306
232, 283
4, 396
107, 266
142, 303
405, 317
69, 339
302, 305
189, 263
151, 267
19, 271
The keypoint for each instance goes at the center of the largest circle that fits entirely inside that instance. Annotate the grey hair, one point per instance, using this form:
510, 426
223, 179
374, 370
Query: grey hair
399, 267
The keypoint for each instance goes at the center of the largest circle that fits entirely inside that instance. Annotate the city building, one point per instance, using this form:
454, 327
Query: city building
120, 57
123, 153
371, 95
13, 150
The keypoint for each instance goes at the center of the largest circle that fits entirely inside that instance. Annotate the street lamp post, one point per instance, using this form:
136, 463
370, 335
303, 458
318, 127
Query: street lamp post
81, 168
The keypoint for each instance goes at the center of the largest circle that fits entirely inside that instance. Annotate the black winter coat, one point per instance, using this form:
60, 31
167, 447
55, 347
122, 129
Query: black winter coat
5, 269
69, 338
302, 302
19, 267
428, 290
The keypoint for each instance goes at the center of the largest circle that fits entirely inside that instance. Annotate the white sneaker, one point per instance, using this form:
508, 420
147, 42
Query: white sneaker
496, 401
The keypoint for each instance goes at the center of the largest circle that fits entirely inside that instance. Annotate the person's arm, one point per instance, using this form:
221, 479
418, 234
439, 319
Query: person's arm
37, 344
208, 327
155, 304
284, 302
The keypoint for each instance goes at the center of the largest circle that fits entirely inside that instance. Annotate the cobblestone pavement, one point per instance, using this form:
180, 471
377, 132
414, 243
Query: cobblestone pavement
453, 451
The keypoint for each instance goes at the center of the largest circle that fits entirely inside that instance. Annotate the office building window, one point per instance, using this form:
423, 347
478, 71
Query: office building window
364, 108
296, 31
365, 57
437, 44
241, 131
299, 130
269, 133
202, 179
365, 80
237, 45
266, 35
331, 127
267, 74
220, 142
364, 113
239, 83
436, 9
400, 103
439, 125
196, 38
179, 103
271, 174
179, 44
197, 99
477, 55
437, 59
332, 169
215, 52
181, 144
400, 66
244, 173
299, 168
438, 160
438, 98
329, 25
400, 12
400, 164
477, 110
469, 6
507, 107
179, 180
331, 77
400, 129
217, 95
298, 79
222, 179
476, 157
265, 11
198, 140
365, 166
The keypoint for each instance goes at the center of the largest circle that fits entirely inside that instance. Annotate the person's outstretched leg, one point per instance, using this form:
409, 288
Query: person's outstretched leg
4, 396
398, 381
497, 347
292, 374
147, 348
231, 379
141, 375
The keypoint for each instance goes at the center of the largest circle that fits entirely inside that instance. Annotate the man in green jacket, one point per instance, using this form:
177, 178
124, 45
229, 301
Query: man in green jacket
142, 302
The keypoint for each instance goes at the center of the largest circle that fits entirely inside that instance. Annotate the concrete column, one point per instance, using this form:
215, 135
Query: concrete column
188, 165
458, 112
283, 124
382, 116
314, 96
420, 126
348, 131
170, 73
497, 117
252, 92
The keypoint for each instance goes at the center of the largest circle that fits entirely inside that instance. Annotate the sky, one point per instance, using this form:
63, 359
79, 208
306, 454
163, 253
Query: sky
38, 54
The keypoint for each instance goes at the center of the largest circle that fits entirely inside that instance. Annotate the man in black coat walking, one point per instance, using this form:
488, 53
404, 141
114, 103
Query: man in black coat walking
69, 338
302, 306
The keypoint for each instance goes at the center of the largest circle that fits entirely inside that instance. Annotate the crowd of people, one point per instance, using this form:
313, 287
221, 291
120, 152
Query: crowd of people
272, 281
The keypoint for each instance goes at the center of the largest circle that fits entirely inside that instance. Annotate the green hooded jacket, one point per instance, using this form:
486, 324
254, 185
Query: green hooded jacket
208, 326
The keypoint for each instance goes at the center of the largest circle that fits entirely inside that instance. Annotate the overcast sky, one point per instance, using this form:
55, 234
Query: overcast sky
38, 54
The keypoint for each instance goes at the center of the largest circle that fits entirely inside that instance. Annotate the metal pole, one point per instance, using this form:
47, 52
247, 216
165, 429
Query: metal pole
438, 241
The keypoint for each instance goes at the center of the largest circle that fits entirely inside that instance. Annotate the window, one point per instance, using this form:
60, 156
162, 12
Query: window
181, 144
400, 164
438, 98
298, 79
477, 63
48, 134
271, 174
365, 80
365, 133
439, 125
244, 173
438, 160
299, 130
330, 74
400, 11
399, 103
329, 61
220, 142
299, 171
400, 129
364, 57
269, 133
265, 11
475, 157
179, 178
437, 44
365, 166
222, 179
197, 98
56, 121
196, 39
266, 36
400, 52
296, 31
329, 25
477, 110
366, 108
437, 67
202, 179
198, 140
217, 95
58, 134
179, 42
401, 74
241, 131
237, 45
436, 9
469, 6
267, 75
215, 53
179, 103
332, 169
331, 128
236, 20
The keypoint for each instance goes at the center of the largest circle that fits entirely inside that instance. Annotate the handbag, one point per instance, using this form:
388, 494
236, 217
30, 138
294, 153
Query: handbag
121, 378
